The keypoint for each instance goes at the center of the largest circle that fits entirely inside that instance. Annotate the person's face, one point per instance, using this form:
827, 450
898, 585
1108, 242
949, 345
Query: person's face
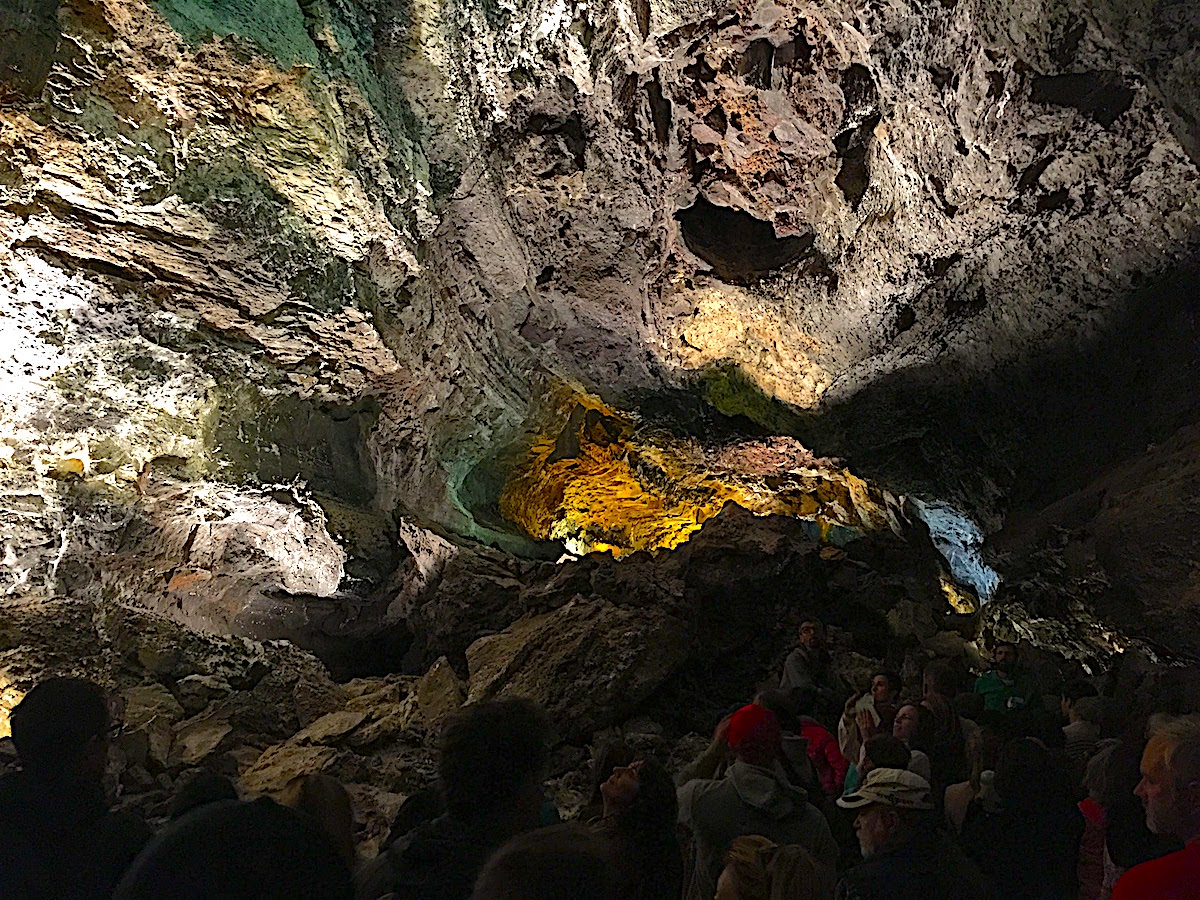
726, 886
1006, 658
905, 724
811, 634
881, 691
1166, 806
874, 826
621, 786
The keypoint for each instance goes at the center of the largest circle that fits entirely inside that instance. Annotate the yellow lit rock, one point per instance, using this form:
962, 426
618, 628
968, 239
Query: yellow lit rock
10, 696
595, 482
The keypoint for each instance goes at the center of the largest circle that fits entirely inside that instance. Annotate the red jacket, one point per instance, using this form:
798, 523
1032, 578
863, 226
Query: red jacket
1175, 876
826, 757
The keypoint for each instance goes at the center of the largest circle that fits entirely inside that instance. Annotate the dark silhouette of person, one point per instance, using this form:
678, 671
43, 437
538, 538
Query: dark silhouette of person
61, 839
491, 765
228, 848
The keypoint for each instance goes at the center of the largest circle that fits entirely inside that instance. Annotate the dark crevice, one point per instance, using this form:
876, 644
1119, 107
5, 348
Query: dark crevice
660, 111
740, 248
755, 64
1102, 96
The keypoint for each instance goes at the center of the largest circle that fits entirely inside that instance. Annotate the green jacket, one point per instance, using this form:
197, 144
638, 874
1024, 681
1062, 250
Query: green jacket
1008, 692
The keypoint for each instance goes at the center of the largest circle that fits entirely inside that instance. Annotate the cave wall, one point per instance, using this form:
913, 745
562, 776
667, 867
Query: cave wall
239, 234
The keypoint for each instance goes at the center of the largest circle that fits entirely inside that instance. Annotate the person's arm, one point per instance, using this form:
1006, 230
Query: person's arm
706, 764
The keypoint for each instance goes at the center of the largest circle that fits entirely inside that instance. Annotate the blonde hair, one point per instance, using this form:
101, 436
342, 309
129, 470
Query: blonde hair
764, 870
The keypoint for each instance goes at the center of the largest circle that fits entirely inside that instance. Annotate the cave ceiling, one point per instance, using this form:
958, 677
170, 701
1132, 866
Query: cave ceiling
302, 283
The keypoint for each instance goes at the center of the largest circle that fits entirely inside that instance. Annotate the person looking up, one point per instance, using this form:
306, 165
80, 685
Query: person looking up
914, 727
752, 798
904, 858
759, 869
640, 812
1170, 792
1007, 686
491, 765
870, 713
60, 838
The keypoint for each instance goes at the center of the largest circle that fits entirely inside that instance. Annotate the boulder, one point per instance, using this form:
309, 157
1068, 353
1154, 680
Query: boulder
589, 663
153, 711
282, 764
439, 691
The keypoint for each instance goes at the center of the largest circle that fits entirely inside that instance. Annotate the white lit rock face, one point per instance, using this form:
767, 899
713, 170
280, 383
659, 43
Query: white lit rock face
358, 245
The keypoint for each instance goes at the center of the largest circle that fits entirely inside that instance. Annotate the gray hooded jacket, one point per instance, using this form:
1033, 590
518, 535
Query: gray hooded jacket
748, 800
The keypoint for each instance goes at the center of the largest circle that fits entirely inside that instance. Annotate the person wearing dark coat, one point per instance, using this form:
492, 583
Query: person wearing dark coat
61, 839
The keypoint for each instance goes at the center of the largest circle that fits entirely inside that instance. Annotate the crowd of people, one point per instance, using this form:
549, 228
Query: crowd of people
960, 789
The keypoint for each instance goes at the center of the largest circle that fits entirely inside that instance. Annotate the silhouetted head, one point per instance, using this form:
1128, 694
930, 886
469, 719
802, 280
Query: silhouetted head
233, 849
884, 751
60, 729
492, 763
202, 788
323, 799
562, 862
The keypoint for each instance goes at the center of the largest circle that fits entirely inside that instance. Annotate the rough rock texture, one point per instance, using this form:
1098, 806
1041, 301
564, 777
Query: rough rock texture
285, 290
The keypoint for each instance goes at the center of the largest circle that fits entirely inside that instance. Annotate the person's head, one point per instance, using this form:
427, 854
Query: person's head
913, 725
610, 757
492, 762
1004, 656
884, 751
939, 680
642, 796
1170, 785
1026, 774
201, 788
784, 705
234, 849
562, 862
323, 799
886, 687
1072, 693
61, 730
754, 735
891, 803
757, 868
812, 634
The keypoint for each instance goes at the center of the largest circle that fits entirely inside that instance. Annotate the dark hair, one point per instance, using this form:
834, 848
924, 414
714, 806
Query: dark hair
1000, 644
926, 734
886, 751
803, 700
945, 678
55, 721
234, 849
647, 831
610, 757
562, 862
895, 682
783, 704
1078, 689
489, 754
201, 788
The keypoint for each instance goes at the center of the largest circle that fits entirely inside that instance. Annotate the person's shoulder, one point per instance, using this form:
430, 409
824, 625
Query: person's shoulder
1174, 875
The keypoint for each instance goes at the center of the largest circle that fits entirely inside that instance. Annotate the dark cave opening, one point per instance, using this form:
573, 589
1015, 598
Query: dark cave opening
740, 248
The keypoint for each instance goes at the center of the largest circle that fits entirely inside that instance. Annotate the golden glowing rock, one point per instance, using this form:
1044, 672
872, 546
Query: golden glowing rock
596, 483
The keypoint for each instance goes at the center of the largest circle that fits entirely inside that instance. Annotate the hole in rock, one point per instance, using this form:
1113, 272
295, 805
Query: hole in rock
1101, 95
740, 248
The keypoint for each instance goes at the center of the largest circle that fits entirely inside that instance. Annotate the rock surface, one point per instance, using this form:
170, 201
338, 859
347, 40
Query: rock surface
288, 288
